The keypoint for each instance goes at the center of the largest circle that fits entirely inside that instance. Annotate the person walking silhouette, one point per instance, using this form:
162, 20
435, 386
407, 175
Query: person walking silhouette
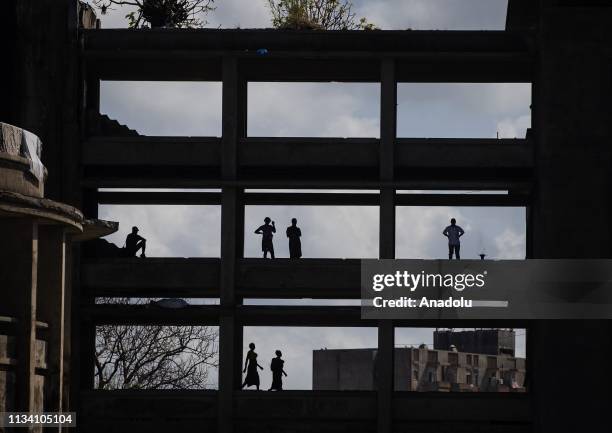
295, 244
453, 232
266, 231
250, 368
277, 367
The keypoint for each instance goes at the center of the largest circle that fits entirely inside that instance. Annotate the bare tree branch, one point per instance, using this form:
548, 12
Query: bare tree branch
154, 357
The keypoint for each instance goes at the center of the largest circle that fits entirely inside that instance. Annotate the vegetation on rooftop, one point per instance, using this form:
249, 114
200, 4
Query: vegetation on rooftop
285, 14
161, 13
316, 15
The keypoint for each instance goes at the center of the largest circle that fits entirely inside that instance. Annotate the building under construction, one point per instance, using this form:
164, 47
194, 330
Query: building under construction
53, 60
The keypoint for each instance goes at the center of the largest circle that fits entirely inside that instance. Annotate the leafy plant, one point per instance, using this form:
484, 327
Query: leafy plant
161, 13
316, 15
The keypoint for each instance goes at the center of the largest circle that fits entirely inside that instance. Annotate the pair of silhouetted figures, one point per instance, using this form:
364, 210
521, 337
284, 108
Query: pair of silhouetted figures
267, 231
252, 375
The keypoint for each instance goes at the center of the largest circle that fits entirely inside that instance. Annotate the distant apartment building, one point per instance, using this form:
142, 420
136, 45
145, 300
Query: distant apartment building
484, 341
423, 369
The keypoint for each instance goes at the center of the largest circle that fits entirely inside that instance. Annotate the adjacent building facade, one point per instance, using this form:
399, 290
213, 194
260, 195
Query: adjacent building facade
424, 369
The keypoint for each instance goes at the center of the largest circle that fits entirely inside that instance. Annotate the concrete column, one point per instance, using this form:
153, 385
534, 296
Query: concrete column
69, 375
386, 332
232, 244
18, 277
51, 302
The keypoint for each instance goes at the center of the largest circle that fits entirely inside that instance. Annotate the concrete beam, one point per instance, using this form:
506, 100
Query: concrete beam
382, 41
251, 315
308, 278
427, 56
308, 152
169, 277
176, 277
466, 153
479, 180
248, 315
113, 314
313, 199
146, 151
289, 410
103, 411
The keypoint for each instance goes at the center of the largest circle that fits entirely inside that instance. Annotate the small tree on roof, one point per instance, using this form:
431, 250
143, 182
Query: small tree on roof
317, 15
162, 13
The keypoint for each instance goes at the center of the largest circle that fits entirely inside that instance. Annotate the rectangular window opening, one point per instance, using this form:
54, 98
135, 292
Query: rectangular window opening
460, 360
497, 232
463, 110
316, 358
313, 109
156, 357
159, 108
326, 231
169, 230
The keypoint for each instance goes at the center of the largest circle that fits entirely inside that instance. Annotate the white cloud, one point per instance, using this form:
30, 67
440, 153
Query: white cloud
510, 244
164, 108
514, 128
312, 109
434, 14
460, 110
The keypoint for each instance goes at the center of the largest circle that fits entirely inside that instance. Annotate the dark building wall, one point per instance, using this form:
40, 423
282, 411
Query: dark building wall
572, 203
43, 87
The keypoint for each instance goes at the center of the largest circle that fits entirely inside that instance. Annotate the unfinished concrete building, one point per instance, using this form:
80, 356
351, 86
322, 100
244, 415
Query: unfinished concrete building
560, 172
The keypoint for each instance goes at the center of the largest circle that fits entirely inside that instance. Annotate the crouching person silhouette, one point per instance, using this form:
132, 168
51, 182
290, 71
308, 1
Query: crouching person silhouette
277, 372
134, 243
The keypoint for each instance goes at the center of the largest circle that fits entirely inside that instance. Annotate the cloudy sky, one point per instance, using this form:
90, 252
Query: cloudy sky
329, 110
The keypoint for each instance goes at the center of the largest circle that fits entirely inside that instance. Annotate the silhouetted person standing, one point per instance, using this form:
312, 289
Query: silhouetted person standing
250, 368
266, 231
453, 232
277, 367
295, 244
133, 243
